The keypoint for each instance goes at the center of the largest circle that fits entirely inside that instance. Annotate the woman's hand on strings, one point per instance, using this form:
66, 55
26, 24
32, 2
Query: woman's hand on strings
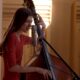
41, 21
46, 73
42, 25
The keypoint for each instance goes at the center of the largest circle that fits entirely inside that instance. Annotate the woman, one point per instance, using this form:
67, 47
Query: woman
13, 46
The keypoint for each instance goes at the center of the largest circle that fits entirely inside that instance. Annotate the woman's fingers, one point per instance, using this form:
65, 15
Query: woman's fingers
47, 74
40, 20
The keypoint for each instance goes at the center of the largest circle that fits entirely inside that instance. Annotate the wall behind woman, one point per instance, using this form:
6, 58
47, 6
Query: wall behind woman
60, 26
60, 31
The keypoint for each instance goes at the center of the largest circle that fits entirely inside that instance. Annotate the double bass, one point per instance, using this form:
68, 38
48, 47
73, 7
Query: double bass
59, 68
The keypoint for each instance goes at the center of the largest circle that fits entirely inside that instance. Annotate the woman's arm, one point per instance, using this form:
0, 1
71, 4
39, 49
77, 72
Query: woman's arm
46, 73
20, 69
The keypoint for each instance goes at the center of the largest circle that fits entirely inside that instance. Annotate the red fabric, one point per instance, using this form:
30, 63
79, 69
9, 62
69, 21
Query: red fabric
13, 55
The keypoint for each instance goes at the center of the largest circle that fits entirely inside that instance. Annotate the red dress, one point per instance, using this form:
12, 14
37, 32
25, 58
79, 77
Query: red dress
13, 55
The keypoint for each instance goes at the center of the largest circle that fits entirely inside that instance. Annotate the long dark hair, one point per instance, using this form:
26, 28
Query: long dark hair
18, 20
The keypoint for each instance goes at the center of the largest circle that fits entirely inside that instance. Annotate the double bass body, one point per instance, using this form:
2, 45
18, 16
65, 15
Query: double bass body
60, 70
